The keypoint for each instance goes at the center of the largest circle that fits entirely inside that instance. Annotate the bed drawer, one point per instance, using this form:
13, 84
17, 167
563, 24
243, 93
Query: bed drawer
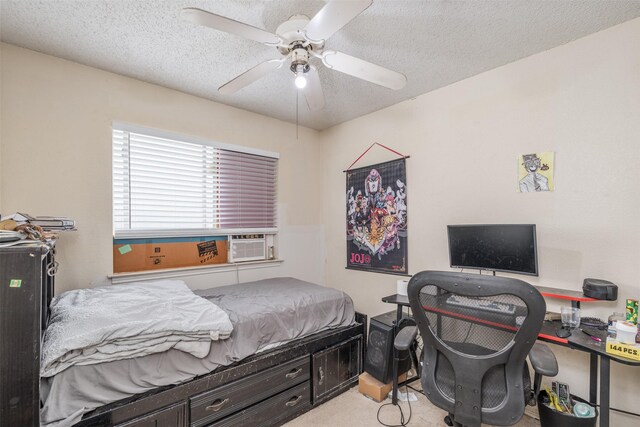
272, 412
216, 404
173, 416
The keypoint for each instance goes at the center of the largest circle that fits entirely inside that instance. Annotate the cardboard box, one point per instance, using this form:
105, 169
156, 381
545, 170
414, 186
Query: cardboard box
631, 351
371, 387
156, 254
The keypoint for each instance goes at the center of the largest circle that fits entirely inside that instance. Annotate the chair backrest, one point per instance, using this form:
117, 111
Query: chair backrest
477, 331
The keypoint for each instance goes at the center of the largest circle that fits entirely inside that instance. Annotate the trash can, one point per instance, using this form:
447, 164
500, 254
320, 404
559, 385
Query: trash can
551, 418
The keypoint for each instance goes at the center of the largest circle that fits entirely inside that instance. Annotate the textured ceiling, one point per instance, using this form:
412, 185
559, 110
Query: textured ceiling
434, 43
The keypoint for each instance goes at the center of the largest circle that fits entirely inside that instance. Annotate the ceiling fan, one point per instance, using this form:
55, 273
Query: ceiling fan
298, 40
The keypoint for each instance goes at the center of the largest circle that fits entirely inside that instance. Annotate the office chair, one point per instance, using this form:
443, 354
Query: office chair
477, 332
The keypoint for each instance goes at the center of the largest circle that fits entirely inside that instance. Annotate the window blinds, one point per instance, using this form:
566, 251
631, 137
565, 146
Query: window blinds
167, 184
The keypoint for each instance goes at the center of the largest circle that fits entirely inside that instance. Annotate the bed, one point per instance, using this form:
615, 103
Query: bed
294, 345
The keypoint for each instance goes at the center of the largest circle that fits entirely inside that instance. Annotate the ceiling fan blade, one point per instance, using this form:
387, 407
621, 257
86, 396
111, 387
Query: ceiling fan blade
217, 22
333, 16
364, 70
250, 76
313, 91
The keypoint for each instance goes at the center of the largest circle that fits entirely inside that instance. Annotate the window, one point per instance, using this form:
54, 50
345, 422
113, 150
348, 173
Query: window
171, 185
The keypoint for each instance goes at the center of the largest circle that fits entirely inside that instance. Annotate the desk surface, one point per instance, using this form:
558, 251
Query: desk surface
564, 294
397, 299
582, 341
577, 340
545, 291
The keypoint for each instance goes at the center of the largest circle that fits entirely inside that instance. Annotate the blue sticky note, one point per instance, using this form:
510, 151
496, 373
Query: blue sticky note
124, 249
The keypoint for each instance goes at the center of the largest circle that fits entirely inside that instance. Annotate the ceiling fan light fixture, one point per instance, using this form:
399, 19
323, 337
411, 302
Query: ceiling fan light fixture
300, 80
298, 40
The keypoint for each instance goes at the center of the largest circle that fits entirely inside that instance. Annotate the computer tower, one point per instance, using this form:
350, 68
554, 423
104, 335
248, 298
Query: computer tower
379, 360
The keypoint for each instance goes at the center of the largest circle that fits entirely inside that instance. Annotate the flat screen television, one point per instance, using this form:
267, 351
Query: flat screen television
495, 247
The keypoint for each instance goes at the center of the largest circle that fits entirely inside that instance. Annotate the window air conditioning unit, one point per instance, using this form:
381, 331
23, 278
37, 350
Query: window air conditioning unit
247, 247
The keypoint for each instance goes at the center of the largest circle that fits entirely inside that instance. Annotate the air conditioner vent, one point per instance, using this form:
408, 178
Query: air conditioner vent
247, 247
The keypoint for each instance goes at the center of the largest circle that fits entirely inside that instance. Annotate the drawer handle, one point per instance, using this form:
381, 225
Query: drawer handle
294, 373
293, 401
217, 405
320, 375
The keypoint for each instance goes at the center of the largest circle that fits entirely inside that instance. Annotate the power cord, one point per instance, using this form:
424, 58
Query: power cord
403, 423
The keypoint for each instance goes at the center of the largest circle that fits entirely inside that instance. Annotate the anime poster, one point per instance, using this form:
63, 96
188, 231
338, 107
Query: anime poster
535, 172
377, 218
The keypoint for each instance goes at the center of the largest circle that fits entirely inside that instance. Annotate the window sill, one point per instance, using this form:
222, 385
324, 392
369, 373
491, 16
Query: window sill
118, 278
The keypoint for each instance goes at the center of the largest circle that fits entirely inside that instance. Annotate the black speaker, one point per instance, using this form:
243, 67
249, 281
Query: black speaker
600, 289
379, 360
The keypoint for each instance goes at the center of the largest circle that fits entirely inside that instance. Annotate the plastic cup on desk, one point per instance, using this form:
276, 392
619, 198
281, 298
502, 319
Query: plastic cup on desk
570, 317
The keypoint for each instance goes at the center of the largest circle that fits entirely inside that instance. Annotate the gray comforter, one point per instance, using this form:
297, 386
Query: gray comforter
263, 313
89, 326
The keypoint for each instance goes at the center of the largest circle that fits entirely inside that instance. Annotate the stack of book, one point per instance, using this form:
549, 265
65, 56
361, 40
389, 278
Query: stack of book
48, 223
51, 223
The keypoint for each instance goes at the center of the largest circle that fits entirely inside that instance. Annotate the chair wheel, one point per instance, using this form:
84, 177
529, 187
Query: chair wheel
448, 421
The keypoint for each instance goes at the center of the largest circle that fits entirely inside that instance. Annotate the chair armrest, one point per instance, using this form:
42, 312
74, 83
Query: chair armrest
543, 360
405, 337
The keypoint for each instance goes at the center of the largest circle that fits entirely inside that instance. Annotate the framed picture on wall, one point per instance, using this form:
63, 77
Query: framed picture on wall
377, 218
535, 172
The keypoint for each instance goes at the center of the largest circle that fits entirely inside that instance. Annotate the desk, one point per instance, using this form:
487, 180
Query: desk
597, 350
578, 341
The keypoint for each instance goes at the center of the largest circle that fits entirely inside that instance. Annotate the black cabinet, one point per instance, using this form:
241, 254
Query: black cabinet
336, 368
25, 287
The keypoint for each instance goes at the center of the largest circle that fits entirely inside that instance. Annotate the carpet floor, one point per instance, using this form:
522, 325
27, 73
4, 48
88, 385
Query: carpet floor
352, 409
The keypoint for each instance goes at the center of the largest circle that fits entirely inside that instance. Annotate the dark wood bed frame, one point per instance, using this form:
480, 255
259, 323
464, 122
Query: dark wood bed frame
266, 389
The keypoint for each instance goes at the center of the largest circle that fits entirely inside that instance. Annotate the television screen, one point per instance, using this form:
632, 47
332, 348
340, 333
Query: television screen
497, 247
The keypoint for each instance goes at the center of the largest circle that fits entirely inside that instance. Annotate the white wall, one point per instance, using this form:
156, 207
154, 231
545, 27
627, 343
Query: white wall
581, 100
56, 159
